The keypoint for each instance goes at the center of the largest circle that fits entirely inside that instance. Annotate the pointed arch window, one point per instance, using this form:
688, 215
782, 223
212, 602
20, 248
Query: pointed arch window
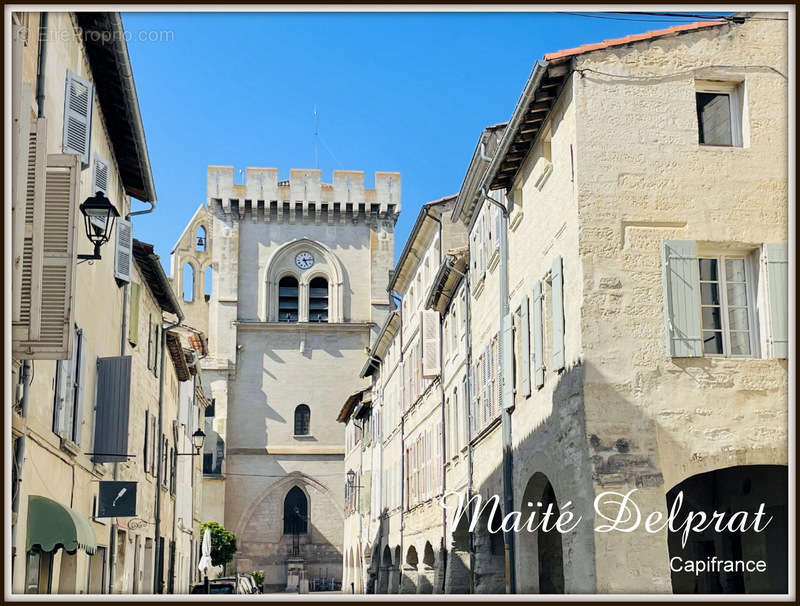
318, 300
295, 512
287, 299
302, 420
201, 238
188, 282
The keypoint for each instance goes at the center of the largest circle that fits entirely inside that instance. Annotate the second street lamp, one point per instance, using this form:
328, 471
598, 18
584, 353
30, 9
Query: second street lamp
198, 439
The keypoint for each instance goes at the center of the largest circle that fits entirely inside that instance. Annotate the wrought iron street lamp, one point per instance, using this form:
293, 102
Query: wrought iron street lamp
198, 439
98, 217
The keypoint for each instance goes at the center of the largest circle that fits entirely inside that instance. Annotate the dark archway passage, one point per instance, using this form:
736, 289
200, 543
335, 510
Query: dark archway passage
733, 489
540, 552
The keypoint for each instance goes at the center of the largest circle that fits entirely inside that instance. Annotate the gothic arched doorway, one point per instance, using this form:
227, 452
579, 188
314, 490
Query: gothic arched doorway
295, 512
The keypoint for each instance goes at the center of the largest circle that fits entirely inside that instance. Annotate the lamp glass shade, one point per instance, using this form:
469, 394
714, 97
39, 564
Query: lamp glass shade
99, 215
198, 439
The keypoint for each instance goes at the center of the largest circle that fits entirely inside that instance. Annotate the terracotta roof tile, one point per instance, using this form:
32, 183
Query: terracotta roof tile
585, 48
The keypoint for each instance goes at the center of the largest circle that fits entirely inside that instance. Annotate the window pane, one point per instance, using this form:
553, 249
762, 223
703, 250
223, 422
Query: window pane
738, 319
712, 342
712, 319
714, 118
737, 295
709, 293
708, 269
734, 270
740, 343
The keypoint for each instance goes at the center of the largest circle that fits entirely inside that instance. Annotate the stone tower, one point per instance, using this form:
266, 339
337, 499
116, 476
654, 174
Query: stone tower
300, 269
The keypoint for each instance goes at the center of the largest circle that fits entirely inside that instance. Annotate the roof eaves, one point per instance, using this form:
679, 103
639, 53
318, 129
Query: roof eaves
153, 273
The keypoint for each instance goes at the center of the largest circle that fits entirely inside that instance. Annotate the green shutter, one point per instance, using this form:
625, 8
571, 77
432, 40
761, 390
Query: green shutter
524, 347
557, 281
681, 285
537, 352
777, 258
133, 316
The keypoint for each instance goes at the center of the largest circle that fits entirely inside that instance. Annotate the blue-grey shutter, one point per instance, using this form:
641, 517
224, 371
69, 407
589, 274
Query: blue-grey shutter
100, 172
537, 351
62, 385
505, 355
80, 375
78, 103
113, 407
557, 281
524, 346
777, 257
681, 285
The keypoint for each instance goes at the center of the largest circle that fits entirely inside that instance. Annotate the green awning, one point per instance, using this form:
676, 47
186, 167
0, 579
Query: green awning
52, 525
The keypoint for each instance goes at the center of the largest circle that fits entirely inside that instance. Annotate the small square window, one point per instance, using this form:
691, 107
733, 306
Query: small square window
719, 115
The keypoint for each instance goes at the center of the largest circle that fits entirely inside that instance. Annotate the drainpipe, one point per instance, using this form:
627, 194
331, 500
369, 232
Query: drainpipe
442, 405
395, 297
40, 95
157, 573
112, 559
504, 373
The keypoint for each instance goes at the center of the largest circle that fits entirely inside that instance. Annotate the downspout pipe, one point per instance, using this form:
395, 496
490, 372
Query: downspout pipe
112, 559
40, 71
158, 576
506, 407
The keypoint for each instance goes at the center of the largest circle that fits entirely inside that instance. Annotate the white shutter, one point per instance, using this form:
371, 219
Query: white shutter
78, 102
48, 263
429, 321
123, 250
505, 354
62, 387
100, 174
777, 261
558, 313
79, 370
537, 351
524, 349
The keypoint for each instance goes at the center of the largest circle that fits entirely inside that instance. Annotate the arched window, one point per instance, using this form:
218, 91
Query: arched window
318, 300
302, 420
188, 282
295, 512
287, 299
201, 238
207, 280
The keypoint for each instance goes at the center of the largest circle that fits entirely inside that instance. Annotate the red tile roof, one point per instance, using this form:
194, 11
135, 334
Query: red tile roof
585, 48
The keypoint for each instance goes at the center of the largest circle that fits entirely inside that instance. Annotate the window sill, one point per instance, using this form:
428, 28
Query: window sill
713, 147
70, 447
303, 436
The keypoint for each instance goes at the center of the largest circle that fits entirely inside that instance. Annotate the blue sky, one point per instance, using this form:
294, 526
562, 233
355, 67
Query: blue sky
406, 92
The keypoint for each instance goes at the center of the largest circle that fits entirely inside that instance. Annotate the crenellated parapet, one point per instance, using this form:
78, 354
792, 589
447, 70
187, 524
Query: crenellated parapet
303, 198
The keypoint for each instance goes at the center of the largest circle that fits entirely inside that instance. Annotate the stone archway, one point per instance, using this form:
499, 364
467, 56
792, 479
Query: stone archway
426, 574
384, 570
408, 580
540, 552
743, 488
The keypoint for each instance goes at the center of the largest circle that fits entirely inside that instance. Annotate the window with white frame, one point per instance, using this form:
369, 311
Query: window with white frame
719, 113
726, 303
69, 380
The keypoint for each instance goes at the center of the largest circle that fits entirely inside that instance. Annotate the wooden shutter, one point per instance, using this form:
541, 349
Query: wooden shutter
429, 321
681, 286
113, 406
45, 327
133, 315
153, 442
557, 277
537, 351
505, 351
146, 451
79, 371
123, 250
62, 389
100, 174
524, 348
78, 102
777, 261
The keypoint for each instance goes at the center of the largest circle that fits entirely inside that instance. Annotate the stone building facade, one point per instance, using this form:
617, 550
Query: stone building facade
86, 332
298, 290
629, 224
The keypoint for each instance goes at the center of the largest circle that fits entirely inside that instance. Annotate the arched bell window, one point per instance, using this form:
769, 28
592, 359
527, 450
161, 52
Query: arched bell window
318, 300
201, 240
302, 420
288, 308
295, 512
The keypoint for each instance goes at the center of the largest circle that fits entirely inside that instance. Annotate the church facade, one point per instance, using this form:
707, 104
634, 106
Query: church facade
288, 278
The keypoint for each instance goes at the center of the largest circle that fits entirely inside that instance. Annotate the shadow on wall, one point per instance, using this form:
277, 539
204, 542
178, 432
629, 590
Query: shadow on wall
562, 466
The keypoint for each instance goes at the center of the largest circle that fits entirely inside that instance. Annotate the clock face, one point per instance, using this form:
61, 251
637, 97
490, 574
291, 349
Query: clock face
304, 260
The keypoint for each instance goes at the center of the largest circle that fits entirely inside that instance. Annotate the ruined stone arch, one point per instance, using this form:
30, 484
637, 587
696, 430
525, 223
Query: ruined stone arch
282, 263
